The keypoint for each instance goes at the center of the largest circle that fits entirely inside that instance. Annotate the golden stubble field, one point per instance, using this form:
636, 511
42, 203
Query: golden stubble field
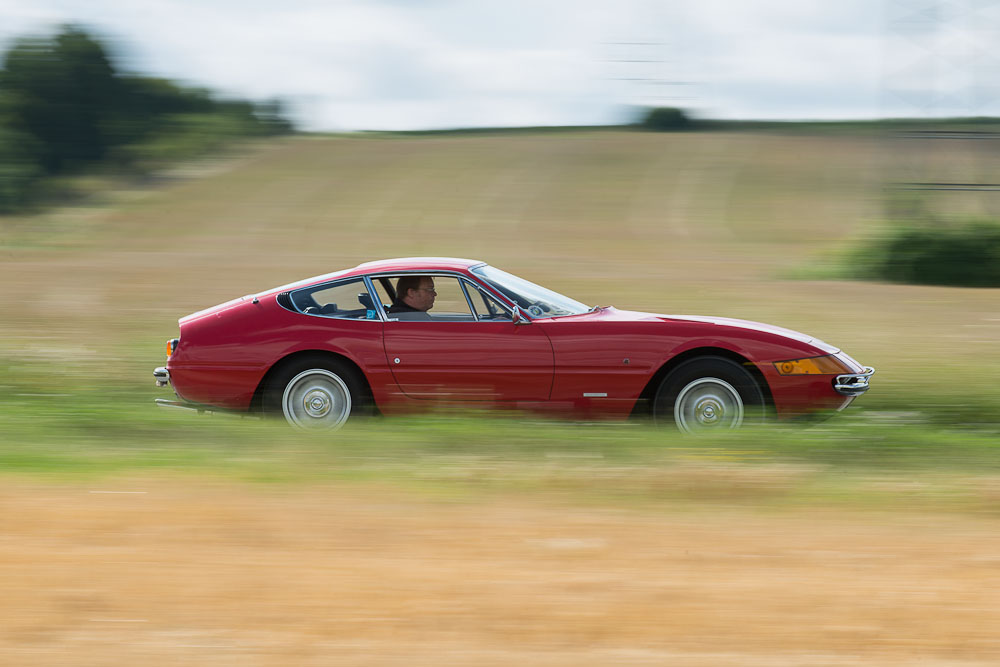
180, 570
690, 223
146, 570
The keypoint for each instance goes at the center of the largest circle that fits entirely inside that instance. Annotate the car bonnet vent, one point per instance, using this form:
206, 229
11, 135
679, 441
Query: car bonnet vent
285, 301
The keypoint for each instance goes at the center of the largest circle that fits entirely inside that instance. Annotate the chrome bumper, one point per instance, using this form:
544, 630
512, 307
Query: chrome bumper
165, 403
853, 384
162, 376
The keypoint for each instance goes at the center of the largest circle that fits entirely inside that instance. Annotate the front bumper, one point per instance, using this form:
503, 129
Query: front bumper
853, 384
162, 376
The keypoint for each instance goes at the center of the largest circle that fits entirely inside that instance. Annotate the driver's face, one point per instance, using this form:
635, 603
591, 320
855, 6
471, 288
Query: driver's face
422, 298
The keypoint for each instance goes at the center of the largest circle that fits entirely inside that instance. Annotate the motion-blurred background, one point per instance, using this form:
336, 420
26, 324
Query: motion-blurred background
828, 169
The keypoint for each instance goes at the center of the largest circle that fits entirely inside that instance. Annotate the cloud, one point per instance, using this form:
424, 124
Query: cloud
347, 64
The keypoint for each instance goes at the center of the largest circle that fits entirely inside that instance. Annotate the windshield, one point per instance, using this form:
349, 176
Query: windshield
536, 300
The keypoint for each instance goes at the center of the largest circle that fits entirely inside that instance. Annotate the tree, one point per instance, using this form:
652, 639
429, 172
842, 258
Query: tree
62, 91
64, 106
19, 169
666, 119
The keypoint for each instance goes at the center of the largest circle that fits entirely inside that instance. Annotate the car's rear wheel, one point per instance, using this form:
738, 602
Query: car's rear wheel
316, 394
708, 395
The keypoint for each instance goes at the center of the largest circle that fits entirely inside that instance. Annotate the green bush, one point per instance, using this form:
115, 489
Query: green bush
182, 137
19, 171
666, 119
960, 254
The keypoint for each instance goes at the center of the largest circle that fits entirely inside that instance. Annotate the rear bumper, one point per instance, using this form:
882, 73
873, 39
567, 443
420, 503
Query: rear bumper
162, 377
182, 405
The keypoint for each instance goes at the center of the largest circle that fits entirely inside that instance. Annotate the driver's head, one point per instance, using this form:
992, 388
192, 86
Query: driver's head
416, 292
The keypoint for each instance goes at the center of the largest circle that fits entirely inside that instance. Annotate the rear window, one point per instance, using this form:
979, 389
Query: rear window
346, 300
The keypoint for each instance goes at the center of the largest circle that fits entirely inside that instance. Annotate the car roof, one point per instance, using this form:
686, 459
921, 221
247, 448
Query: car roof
417, 264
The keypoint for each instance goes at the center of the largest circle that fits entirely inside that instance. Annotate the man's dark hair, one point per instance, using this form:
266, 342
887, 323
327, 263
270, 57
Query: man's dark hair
405, 284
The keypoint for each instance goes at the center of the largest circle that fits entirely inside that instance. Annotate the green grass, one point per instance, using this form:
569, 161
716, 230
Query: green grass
866, 458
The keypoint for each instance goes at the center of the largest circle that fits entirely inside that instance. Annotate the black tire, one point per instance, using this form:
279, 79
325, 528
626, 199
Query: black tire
316, 393
709, 394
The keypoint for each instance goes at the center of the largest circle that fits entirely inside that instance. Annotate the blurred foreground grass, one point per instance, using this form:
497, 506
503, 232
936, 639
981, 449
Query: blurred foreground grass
58, 426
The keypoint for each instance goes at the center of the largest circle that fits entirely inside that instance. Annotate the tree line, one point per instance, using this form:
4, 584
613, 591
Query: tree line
65, 107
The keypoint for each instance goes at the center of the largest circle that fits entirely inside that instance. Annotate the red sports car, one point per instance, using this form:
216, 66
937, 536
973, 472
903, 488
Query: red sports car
399, 335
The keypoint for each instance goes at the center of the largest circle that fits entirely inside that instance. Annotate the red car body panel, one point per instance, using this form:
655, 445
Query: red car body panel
593, 364
649, 341
470, 361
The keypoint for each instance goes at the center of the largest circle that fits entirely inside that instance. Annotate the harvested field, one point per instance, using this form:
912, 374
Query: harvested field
132, 536
700, 223
126, 571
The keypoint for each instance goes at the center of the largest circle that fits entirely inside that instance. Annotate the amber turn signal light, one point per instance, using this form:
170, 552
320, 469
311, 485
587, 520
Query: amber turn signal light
172, 345
827, 365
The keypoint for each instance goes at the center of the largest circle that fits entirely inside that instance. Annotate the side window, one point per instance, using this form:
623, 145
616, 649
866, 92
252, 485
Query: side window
487, 307
437, 298
450, 303
384, 286
348, 300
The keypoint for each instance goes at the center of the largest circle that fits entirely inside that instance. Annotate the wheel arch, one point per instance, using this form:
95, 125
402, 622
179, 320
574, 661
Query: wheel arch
257, 402
645, 401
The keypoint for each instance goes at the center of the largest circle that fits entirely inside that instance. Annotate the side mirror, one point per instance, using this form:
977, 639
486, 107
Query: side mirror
517, 319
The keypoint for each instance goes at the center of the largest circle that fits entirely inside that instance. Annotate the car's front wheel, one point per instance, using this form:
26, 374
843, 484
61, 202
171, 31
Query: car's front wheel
709, 394
316, 394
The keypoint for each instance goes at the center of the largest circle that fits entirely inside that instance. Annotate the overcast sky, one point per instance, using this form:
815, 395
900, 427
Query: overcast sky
399, 64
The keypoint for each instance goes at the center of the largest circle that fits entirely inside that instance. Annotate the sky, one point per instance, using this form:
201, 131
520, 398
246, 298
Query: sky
425, 64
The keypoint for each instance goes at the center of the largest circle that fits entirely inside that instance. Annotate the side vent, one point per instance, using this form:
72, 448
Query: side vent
285, 301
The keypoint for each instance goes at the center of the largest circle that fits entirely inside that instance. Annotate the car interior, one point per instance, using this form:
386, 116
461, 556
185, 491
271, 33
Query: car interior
351, 300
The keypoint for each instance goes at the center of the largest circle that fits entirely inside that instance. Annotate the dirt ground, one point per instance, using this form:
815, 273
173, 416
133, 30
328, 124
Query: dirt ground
168, 572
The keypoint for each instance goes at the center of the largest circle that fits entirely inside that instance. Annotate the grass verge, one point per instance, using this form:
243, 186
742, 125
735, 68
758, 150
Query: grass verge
888, 459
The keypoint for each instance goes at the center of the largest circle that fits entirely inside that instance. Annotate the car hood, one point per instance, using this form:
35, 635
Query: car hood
615, 314
756, 326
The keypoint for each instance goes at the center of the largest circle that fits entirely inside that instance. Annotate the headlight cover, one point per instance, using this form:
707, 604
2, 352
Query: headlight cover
825, 365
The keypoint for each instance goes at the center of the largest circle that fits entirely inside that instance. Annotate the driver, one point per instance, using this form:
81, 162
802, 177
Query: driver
414, 294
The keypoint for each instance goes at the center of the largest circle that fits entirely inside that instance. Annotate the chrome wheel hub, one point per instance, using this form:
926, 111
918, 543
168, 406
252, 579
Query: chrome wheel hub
708, 404
317, 403
316, 399
709, 411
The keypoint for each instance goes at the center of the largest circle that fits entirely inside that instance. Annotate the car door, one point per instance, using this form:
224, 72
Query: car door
460, 352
